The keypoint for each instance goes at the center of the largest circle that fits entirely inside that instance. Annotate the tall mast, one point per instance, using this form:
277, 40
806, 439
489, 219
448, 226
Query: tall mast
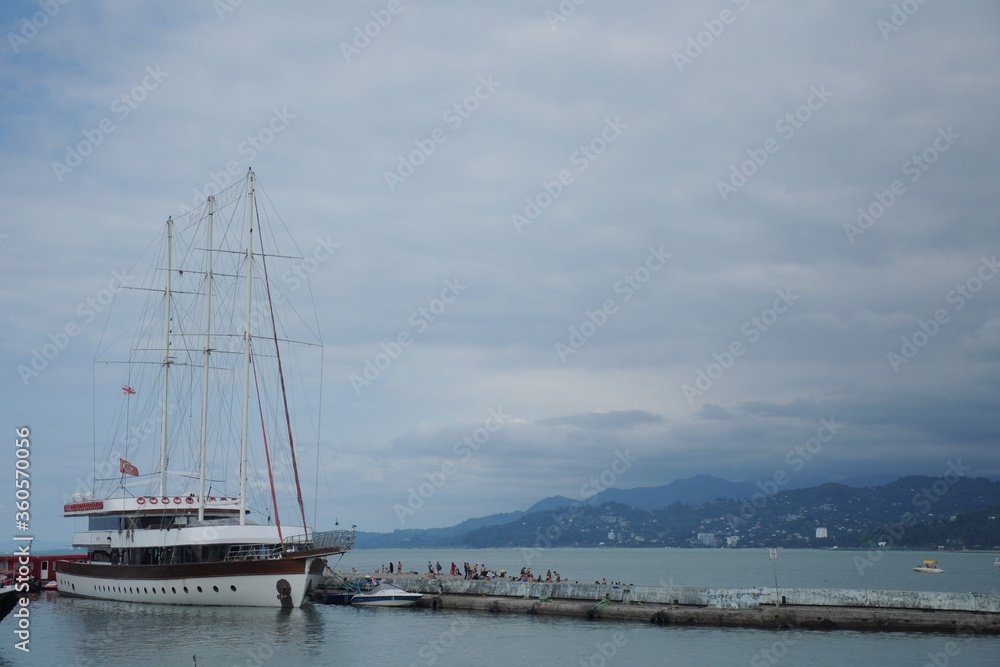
166, 359
246, 352
208, 354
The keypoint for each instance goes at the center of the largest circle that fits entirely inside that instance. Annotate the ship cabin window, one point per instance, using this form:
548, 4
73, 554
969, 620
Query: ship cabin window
104, 523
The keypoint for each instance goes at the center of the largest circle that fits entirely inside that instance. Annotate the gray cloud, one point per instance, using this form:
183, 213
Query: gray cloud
641, 336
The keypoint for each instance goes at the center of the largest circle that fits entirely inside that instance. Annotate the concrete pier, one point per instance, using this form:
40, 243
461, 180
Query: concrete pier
692, 605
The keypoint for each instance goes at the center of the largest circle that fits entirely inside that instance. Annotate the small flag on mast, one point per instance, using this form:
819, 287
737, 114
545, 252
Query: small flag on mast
127, 468
127, 389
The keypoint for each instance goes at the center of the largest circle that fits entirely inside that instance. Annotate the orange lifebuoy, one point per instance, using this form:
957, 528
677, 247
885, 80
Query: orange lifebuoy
189, 500
211, 499
140, 500
166, 501
177, 500
153, 500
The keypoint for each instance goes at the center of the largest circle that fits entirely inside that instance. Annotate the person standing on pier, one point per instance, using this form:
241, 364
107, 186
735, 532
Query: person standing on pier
437, 566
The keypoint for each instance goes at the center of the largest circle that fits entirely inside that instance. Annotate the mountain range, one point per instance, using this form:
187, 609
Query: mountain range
691, 491
706, 510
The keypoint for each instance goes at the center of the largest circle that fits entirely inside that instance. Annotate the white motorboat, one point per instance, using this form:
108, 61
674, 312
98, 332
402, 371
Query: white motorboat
385, 595
928, 567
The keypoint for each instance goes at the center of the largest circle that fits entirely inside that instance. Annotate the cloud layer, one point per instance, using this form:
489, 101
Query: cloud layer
690, 232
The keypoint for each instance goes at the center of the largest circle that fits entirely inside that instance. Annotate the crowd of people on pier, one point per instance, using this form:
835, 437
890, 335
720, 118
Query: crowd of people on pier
478, 571
482, 571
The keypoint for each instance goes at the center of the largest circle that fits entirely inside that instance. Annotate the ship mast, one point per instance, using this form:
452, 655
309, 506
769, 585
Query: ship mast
246, 352
208, 354
166, 360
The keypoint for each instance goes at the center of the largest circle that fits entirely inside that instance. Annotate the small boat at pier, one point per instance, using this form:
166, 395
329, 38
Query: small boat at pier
385, 595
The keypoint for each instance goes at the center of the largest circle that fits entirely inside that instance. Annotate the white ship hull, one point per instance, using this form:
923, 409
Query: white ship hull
279, 583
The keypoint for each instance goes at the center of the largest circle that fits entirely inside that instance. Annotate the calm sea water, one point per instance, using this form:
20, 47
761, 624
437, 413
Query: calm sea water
68, 631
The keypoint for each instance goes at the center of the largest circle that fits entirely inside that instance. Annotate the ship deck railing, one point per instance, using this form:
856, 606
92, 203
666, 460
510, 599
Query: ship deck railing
337, 540
253, 552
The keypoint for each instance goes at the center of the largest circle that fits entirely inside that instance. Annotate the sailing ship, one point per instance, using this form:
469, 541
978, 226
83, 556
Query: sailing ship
175, 535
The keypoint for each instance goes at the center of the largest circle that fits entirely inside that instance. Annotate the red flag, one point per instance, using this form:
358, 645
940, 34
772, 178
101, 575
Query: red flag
127, 389
127, 468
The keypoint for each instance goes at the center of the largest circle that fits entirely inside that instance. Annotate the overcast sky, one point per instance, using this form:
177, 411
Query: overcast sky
624, 242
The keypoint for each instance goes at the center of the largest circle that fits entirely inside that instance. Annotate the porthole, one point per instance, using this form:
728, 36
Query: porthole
215, 588
185, 589
232, 588
199, 589
163, 590
173, 590
146, 590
